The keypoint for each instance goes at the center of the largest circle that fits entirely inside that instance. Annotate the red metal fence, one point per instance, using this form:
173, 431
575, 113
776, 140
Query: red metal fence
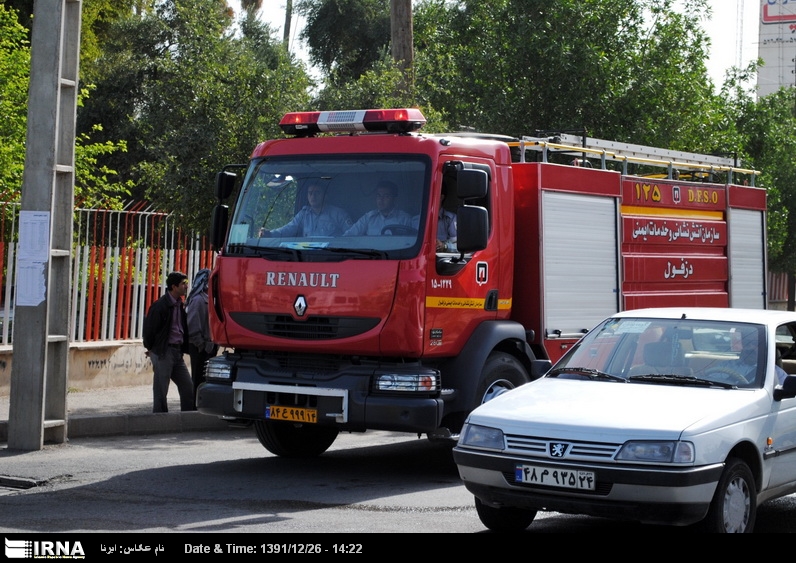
119, 263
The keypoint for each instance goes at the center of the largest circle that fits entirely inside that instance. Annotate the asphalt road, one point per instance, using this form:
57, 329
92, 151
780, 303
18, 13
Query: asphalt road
226, 482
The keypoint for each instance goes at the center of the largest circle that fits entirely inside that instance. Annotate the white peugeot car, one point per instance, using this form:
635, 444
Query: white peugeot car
669, 416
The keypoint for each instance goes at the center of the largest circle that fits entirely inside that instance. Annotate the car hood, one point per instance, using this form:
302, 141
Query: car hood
598, 410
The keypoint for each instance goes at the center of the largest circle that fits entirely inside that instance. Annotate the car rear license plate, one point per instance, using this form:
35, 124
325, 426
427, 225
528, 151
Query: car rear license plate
555, 477
294, 414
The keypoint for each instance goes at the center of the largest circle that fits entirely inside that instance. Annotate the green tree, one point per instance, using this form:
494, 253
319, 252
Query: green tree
626, 69
190, 92
767, 127
632, 70
94, 185
345, 37
14, 76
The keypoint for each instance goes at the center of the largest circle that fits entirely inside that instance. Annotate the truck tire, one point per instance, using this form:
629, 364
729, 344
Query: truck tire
287, 439
501, 372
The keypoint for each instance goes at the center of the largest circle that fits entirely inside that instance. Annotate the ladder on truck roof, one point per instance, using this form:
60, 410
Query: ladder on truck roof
627, 153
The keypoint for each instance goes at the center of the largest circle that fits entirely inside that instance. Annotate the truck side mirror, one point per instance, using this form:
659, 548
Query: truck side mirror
472, 228
471, 183
225, 183
218, 226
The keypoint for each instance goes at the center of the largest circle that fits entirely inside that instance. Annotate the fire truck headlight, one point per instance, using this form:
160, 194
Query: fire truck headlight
218, 370
405, 382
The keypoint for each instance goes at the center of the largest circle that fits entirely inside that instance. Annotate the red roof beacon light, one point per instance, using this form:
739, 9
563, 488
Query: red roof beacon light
307, 123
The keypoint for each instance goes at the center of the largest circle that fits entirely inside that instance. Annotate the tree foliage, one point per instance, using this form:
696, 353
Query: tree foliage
95, 184
632, 70
345, 37
768, 128
190, 93
14, 76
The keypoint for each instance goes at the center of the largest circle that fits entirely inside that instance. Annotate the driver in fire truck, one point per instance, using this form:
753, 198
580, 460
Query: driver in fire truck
314, 219
386, 213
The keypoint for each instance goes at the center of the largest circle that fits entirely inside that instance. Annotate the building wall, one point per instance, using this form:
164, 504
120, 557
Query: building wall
777, 46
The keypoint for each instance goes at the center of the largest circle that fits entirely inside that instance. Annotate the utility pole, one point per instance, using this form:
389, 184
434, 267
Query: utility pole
39, 372
288, 18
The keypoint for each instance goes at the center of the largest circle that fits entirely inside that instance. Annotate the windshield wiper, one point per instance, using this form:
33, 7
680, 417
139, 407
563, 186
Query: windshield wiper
369, 252
670, 378
281, 252
588, 372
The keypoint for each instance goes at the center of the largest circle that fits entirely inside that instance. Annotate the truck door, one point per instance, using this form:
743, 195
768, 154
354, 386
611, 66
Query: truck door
462, 287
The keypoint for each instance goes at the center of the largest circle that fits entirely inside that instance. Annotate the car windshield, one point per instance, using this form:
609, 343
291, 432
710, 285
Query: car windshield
331, 208
670, 352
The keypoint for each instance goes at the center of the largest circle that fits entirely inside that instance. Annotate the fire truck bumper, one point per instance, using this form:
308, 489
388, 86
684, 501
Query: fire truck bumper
350, 410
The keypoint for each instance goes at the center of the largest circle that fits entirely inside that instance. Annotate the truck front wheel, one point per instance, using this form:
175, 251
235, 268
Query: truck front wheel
287, 439
502, 372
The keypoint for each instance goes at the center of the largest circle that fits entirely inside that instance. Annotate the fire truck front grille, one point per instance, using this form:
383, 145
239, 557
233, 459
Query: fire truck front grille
319, 364
312, 328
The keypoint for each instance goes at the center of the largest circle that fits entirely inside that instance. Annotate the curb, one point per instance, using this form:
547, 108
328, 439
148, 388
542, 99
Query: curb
136, 424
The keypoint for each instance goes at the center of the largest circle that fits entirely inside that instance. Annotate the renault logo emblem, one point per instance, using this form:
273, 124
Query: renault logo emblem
300, 306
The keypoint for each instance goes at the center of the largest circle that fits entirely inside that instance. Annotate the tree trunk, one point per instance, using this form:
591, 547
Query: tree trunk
402, 42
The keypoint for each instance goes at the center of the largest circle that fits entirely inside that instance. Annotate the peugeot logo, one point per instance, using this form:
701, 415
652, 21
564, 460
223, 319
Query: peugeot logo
557, 449
300, 305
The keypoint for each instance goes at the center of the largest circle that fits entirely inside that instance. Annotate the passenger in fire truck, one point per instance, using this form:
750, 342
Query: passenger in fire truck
376, 221
446, 227
314, 219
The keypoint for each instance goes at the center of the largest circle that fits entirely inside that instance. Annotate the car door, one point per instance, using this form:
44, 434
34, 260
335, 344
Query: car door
783, 464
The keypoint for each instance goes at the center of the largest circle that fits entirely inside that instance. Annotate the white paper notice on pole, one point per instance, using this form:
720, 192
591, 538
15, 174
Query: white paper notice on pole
34, 252
30, 283
34, 236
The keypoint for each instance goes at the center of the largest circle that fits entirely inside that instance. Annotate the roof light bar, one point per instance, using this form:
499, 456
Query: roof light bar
307, 123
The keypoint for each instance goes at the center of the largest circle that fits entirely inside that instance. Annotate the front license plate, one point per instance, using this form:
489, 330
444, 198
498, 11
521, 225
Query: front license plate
554, 477
294, 414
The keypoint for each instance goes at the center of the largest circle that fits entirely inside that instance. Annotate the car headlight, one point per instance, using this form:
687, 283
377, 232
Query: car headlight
475, 436
657, 451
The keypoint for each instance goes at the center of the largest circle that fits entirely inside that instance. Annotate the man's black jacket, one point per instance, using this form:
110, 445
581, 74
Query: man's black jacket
157, 325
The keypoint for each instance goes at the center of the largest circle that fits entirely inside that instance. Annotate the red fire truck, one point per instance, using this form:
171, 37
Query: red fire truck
327, 327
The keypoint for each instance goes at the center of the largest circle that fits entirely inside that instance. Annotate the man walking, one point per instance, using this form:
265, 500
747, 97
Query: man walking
166, 340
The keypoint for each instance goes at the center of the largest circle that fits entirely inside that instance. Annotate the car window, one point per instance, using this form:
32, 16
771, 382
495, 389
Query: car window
725, 353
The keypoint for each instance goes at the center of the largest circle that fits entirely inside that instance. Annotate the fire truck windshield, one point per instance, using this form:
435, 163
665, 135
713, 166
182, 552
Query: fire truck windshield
331, 208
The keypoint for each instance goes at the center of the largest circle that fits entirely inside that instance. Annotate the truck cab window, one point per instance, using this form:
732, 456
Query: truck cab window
327, 208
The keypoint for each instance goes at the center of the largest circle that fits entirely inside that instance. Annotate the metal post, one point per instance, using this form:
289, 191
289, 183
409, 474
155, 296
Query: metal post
37, 410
